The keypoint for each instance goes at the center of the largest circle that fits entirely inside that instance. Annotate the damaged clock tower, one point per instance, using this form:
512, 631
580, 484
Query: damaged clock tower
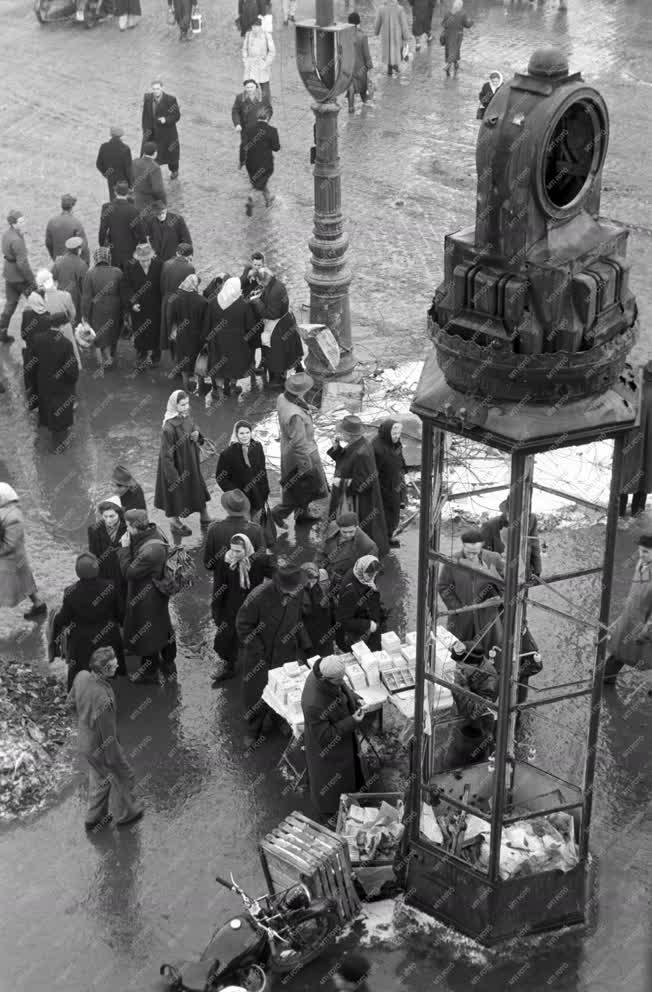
532, 327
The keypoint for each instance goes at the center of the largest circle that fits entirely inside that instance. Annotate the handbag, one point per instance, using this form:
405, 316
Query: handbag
201, 365
442, 39
270, 532
479, 114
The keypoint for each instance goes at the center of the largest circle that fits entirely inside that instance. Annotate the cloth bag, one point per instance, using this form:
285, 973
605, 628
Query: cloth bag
201, 365
268, 526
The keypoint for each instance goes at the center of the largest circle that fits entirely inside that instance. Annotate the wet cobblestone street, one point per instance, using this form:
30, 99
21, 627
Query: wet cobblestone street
99, 917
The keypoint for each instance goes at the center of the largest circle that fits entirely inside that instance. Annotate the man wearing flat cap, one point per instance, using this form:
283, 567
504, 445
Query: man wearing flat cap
114, 161
17, 272
69, 271
473, 576
166, 231
63, 226
121, 227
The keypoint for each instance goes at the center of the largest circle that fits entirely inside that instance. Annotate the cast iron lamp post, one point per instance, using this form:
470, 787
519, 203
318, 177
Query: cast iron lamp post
325, 59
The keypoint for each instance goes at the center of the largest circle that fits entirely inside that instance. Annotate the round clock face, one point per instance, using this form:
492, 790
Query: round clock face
572, 155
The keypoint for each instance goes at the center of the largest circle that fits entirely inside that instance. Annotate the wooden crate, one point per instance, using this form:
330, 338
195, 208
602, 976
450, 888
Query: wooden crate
366, 799
300, 850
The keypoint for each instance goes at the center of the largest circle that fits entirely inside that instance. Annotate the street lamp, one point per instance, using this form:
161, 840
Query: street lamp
325, 59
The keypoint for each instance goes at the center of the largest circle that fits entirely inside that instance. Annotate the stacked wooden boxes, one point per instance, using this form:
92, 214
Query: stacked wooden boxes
300, 850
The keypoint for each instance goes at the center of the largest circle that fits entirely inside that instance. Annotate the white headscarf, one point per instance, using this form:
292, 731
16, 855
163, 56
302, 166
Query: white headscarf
242, 564
7, 494
229, 293
494, 72
360, 570
457, 6
36, 303
44, 279
191, 283
171, 410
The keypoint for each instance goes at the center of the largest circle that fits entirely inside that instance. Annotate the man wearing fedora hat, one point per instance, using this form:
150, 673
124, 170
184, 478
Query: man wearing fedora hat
356, 485
63, 226
114, 161
302, 474
121, 226
237, 521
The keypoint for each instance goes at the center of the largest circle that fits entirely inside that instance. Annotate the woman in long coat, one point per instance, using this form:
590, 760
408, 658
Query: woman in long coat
422, 11
128, 13
388, 452
356, 486
187, 316
230, 339
257, 147
180, 487
147, 629
141, 287
36, 319
90, 615
242, 466
487, 91
630, 638
101, 304
54, 371
258, 53
331, 713
104, 541
359, 613
235, 574
452, 32
392, 26
16, 579
59, 301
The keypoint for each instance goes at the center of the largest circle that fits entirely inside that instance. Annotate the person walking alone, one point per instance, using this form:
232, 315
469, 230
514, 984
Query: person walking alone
422, 11
360, 81
159, 121
452, 32
180, 487
18, 275
388, 452
259, 142
16, 579
392, 26
114, 161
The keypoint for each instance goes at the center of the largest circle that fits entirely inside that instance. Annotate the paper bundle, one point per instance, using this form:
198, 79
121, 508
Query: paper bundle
373, 834
390, 642
360, 650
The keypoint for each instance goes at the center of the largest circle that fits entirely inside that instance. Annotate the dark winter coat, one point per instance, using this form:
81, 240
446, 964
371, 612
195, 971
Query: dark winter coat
422, 11
233, 473
493, 541
245, 112
228, 596
91, 616
453, 30
356, 606
248, 11
363, 63
220, 532
359, 490
187, 317
147, 626
285, 349
15, 267
339, 556
486, 95
330, 741
180, 487
121, 229
65, 225
259, 142
32, 325
302, 473
230, 339
459, 587
637, 450
148, 185
102, 303
69, 272
133, 499
165, 135
107, 552
165, 236
55, 373
144, 288
173, 273
271, 633
319, 618
114, 162
391, 473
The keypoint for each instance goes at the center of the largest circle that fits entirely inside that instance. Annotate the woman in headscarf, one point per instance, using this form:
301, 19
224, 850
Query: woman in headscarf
355, 485
242, 466
36, 319
318, 615
51, 370
258, 144
16, 579
359, 613
388, 452
104, 538
90, 616
486, 94
141, 288
452, 31
230, 339
180, 487
58, 301
235, 574
187, 318
129, 491
101, 305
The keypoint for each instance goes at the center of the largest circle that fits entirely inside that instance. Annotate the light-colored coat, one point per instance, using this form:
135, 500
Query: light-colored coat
394, 30
16, 579
635, 622
302, 473
258, 53
60, 301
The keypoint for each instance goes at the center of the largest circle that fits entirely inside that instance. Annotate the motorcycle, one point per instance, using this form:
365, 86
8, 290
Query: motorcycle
86, 12
276, 934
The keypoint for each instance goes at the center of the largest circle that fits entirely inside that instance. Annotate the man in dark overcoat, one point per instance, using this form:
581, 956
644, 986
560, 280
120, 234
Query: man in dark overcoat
166, 231
331, 713
147, 631
148, 182
63, 226
246, 105
271, 633
302, 473
173, 273
121, 228
69, 271
636, 476
159, 120
17, 272
344, 544
114, 161
460, 587
237, 521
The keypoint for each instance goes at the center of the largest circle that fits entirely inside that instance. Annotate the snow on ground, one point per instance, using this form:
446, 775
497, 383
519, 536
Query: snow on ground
580, 471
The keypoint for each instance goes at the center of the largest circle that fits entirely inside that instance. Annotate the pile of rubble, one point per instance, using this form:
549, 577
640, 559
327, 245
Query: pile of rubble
35, 724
